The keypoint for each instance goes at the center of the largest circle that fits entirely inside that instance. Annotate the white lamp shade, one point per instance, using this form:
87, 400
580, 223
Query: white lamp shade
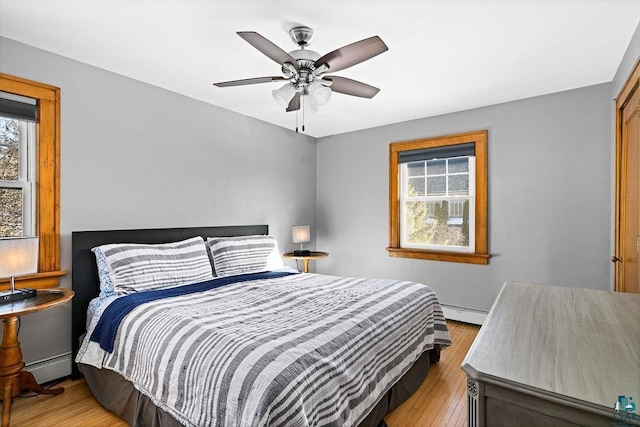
309, 106
284, 94
301, 233
18, 256
320, 93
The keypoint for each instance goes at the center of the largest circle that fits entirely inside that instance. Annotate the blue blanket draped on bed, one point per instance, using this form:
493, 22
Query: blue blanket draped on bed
105, 331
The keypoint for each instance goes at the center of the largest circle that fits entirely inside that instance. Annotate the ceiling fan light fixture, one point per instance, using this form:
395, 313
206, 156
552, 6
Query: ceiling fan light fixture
309, 105
307, 87
321, 94
284, 95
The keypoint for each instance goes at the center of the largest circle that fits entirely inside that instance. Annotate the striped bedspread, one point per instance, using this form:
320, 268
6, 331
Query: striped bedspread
301, 350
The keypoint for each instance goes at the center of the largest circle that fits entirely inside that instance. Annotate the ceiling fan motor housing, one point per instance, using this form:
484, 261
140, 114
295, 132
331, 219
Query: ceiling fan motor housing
306, 65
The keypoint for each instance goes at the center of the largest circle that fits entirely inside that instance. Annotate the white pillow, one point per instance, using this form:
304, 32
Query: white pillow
125, 268
244, 254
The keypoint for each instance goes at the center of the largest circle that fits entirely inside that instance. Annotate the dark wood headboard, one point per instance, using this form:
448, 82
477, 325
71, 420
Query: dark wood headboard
84, 272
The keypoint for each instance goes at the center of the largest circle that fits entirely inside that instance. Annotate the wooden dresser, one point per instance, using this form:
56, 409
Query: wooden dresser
555, 356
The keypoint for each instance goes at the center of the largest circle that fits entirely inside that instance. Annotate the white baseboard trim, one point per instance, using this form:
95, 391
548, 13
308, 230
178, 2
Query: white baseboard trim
50, 369
463, 314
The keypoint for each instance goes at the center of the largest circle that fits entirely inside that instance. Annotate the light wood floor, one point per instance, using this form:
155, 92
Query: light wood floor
440, 401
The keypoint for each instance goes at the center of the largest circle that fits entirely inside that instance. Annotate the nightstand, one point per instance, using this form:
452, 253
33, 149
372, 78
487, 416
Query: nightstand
305, 258
12, 378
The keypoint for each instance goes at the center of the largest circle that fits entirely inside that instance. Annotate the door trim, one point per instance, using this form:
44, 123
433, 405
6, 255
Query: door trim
628, 89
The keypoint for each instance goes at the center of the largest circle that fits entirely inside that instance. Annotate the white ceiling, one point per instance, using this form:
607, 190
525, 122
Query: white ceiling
444, 56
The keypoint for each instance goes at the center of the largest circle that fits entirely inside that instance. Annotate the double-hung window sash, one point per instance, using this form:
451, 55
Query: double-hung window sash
17, 165
437, 198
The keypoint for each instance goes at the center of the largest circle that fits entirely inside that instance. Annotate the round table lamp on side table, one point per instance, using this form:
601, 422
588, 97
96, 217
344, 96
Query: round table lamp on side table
301, 234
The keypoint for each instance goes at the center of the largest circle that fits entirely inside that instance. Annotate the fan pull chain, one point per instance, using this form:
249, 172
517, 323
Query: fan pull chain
302, 99
296, 122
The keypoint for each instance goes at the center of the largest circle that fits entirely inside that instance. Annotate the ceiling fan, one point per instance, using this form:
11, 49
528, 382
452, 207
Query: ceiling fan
307, 87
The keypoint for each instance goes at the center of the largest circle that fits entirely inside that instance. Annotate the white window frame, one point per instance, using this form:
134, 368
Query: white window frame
472, 207
26, 175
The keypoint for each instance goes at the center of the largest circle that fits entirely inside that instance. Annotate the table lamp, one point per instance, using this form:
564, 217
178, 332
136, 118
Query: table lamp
18, 257
301, 234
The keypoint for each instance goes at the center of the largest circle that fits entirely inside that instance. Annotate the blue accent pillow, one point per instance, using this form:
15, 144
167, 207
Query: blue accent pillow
106, 285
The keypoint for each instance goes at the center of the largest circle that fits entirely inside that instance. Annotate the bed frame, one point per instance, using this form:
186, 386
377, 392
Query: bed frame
84, 272
85, 283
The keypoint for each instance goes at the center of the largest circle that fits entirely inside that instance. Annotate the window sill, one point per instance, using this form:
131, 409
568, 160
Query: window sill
474, 258
50, 279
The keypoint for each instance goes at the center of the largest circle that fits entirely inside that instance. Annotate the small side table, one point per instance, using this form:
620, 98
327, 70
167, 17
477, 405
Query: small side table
305, 258
12, 378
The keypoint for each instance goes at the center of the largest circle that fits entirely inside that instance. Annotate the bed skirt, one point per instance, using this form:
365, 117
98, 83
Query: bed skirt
121, 397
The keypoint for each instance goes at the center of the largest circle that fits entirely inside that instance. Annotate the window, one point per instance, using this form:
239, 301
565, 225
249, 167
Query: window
32, 177
437, 204
17, 166
438, 198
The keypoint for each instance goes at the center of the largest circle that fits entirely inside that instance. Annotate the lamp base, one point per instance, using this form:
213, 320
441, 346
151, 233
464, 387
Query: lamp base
301, 253
17, 295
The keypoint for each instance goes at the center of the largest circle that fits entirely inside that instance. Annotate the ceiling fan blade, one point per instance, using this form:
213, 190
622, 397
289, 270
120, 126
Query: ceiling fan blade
268, 48
351, 87
352, 54
250, 81
294, 104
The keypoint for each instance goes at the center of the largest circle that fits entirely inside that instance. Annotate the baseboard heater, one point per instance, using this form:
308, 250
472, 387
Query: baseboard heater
51, 368
464, 314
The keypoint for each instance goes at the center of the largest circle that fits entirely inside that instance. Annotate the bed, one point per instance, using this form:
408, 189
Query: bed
336, 373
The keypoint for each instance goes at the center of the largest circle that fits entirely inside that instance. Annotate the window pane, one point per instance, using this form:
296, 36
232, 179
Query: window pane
11, 212
9, 149
415, 216
415, 169
436, 167
416, 187
459, 164
436, 186
437, 223
458, 184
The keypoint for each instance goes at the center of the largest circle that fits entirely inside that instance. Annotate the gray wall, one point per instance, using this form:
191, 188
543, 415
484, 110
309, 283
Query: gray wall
550, 180
135, 155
